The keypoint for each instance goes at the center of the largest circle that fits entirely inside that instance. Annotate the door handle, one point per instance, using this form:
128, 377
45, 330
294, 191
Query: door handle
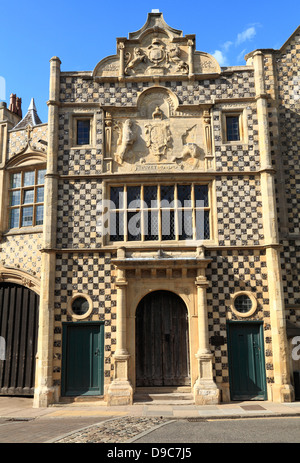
97, 351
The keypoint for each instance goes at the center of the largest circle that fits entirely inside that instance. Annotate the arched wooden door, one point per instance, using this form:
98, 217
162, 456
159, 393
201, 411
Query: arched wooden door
162, 341
19, 307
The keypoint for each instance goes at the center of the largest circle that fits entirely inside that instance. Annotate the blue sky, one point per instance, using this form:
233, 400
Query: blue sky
82, 33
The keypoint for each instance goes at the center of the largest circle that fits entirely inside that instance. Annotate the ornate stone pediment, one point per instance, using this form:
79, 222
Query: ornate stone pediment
157, 135
156, 50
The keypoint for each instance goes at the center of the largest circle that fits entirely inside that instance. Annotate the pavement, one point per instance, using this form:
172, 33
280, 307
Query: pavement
95, 422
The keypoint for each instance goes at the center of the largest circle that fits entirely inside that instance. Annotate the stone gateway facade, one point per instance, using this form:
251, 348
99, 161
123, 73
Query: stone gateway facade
150, 234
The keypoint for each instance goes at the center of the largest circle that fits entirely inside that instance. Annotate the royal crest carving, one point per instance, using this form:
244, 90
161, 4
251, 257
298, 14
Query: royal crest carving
157, 135
154, 50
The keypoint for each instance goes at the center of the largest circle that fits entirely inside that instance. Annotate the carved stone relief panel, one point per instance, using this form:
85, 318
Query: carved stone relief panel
157, 137
156, 50
156, 55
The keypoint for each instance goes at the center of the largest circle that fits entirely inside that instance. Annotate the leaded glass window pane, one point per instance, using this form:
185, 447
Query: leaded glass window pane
28, 197
116, 226
151, 232
14, 218
117, 197
184, 195
133, 197
243, 303
201, 195
41, 177
150, 196
83, 132
15, 198
40, 194
16, 180
27, 216
232, 128
167, 195
168, 225
185, 224
134, 226
39, 215
29, 178
202, 225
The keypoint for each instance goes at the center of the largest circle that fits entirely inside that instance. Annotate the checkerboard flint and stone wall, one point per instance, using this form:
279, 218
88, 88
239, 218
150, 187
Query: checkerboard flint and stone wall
285, 143
77, 213
229, 273
238, 202
92, 274
239, 211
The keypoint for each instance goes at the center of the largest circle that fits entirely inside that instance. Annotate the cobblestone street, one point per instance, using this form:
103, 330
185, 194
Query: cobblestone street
117, 430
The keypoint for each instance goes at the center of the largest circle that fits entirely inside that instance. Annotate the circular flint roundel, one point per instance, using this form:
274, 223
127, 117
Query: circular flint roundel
244, 304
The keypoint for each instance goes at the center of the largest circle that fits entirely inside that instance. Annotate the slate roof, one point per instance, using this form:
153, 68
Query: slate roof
31, 117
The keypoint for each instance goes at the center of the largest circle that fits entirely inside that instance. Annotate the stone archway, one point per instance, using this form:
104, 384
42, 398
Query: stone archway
162, 341
19, 313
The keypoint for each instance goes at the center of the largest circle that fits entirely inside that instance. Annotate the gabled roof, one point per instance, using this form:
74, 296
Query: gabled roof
289, 39
31, 117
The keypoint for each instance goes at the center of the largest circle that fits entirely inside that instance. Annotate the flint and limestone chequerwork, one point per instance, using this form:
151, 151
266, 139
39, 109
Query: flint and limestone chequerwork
150, 231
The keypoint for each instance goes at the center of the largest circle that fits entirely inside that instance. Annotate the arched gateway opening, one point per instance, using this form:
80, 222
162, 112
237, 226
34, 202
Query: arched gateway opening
162, 341
19, 307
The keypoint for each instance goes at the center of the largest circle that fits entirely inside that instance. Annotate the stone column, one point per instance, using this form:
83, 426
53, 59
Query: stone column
282, 390
191, 57
205, 389
120, 392
121, 47
45, 392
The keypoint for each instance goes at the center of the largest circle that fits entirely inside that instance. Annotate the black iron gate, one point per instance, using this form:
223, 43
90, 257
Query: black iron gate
19, 307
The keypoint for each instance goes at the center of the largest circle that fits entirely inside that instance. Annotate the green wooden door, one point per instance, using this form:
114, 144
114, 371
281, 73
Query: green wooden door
83, 345
246, 361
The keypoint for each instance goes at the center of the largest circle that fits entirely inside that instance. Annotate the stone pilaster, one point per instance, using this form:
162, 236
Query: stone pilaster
205, 388
282, 390
120, 392
45, 392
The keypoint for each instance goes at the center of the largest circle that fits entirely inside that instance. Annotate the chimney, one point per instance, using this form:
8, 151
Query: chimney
19, 106
12, 104
15, 104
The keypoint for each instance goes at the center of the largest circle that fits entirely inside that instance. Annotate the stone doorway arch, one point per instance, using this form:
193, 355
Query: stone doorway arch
162, 341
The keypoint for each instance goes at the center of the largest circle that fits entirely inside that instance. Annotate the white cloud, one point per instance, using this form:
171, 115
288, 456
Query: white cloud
220, 57
247, 34
227, 45
241, 56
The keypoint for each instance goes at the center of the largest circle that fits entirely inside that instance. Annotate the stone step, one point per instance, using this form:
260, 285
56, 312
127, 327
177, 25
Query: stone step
164, 398
82, 399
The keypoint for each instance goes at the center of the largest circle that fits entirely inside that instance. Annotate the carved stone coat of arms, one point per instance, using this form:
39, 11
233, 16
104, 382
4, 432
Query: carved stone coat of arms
157, 135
